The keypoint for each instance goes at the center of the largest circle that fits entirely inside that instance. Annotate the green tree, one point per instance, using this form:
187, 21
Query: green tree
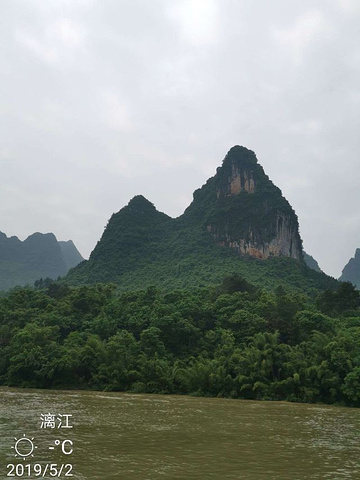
34, 352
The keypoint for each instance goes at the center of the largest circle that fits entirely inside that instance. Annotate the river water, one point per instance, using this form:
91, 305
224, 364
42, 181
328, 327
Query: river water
154, 437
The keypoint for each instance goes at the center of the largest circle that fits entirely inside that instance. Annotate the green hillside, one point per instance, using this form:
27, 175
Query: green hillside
238, 223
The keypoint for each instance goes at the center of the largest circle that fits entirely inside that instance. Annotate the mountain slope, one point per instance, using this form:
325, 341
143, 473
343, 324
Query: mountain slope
132, 239
311, 262
351, 271
238, 222
71, 254
21, 263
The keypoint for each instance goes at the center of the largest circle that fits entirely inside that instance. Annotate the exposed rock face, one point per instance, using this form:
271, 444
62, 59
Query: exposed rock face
283, 244
351, 272
250, 214
240, 180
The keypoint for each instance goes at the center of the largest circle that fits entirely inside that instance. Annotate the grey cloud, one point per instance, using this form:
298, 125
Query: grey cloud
102, 100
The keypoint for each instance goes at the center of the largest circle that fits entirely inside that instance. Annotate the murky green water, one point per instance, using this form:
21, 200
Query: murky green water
150, 437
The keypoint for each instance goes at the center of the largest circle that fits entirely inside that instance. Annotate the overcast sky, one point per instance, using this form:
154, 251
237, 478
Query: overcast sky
105, 99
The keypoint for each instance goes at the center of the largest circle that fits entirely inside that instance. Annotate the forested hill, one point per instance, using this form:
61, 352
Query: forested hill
39, 256
238, 222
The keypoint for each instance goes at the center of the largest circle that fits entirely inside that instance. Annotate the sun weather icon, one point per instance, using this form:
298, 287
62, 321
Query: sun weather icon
24, 447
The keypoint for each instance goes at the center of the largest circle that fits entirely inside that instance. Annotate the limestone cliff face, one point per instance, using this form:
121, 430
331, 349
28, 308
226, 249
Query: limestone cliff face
246, 211
239, 180
285, 242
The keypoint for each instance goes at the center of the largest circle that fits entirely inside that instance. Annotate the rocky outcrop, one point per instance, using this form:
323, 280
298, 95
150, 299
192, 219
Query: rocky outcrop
283, 244
240, 180
250, 214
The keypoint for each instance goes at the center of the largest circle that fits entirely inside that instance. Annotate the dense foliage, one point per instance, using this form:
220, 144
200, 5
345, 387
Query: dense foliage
235, 340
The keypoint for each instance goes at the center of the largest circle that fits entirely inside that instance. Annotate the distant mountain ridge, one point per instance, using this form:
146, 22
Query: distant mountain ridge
351, 271
238, 222
311, 262
38, 256
71, 254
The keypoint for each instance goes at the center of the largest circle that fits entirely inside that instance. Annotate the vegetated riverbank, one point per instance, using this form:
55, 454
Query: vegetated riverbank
233, 341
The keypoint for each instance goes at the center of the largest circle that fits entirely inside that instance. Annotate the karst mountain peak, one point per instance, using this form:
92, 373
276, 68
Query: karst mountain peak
245, 211
237, 172
236, 222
